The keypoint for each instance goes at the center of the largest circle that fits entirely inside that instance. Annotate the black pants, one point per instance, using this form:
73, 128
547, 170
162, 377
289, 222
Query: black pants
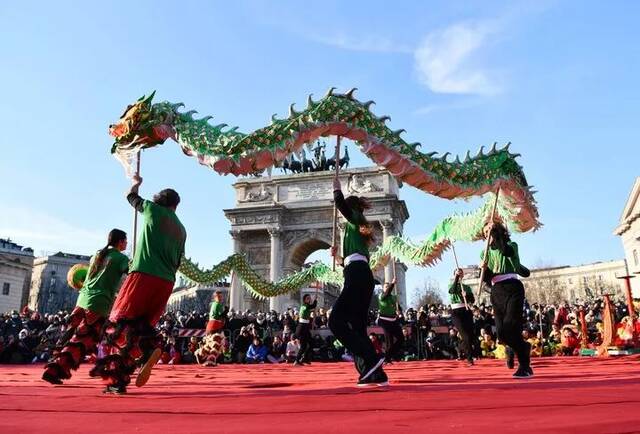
507, 299
393, 338
348, 320
463, 322
303, 333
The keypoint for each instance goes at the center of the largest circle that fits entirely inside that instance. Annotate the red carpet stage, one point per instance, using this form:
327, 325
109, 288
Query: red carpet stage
567, 395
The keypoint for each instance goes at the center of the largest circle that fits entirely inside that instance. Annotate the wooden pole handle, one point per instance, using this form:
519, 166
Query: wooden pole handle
335, 208
135, 212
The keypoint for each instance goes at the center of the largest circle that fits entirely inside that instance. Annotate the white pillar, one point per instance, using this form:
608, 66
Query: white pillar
275, 303
235, 292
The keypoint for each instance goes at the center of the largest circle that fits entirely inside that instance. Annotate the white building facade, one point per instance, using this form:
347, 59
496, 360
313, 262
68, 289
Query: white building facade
628, 230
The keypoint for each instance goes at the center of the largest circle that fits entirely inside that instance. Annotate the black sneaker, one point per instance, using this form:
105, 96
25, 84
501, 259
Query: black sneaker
50, 378
470, 362
371, 370
377, 379
523, 372
115, 390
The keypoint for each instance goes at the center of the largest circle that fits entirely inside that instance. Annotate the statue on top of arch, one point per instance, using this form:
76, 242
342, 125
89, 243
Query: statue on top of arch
318, 163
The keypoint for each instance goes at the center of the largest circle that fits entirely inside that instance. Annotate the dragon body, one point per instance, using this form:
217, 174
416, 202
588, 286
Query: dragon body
146, 124
228, 151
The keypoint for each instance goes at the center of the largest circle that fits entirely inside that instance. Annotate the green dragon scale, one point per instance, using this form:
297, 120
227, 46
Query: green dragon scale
146, 124
465, 227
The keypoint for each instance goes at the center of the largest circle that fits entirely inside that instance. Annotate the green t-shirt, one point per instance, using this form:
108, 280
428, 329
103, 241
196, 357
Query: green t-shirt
161, 243
353, 242
387, 305
455, 294
98, 292
501, 264
216, 311
305, 310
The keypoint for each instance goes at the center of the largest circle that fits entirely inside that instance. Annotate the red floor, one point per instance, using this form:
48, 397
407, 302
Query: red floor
567, 395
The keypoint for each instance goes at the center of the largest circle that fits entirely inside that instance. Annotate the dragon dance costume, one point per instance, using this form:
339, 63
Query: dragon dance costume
87, 319
303, 331
507, 299
348, 320
130, 334
387, 319
462, 317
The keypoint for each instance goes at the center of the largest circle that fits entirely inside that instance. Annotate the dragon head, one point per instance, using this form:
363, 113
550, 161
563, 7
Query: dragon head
142, 125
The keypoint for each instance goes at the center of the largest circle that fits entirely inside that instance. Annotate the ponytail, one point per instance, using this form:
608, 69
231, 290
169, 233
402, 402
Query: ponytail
115, 237
360, 204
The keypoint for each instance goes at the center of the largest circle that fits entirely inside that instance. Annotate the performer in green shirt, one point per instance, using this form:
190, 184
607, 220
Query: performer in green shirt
303, 329
388, 320
131, 336
502, 268
348, 320
94, 303
461, 313
217, 313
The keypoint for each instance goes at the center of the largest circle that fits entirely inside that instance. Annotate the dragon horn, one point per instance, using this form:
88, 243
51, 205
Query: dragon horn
467, 157
493, 148
444, 156
310, 102
480, 152
274, 119
292, 112
384, 118
329, 92
349, 94
506, 148
190, 113
398, 132
368, 104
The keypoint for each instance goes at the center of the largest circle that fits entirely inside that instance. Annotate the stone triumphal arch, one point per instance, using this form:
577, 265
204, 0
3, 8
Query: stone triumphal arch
279, 221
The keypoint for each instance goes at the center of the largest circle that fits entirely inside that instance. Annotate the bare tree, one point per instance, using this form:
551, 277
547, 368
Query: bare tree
428, 293
543, 287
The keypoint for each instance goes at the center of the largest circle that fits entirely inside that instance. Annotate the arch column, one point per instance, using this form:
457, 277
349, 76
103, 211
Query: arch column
387, 231
235, 292
275, 303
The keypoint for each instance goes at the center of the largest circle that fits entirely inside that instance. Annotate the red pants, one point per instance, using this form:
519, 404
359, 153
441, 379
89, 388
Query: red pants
85, 328
142, 296
214, 325
130, 335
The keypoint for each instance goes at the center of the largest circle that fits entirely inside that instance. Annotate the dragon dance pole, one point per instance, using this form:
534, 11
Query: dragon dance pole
135, 212
464, 295
335, 208
486, 246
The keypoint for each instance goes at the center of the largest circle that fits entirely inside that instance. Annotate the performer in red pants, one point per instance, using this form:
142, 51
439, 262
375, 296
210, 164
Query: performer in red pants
130, 334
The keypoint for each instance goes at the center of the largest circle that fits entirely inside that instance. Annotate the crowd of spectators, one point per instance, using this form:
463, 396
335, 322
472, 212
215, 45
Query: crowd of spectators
267, 337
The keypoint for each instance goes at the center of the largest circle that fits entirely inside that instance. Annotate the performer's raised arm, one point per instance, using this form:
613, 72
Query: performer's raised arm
132, 195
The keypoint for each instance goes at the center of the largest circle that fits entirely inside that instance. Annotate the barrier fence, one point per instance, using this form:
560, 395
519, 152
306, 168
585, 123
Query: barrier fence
416, 335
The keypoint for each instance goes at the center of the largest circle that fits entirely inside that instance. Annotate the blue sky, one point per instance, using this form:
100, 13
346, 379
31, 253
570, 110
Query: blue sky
558, 80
